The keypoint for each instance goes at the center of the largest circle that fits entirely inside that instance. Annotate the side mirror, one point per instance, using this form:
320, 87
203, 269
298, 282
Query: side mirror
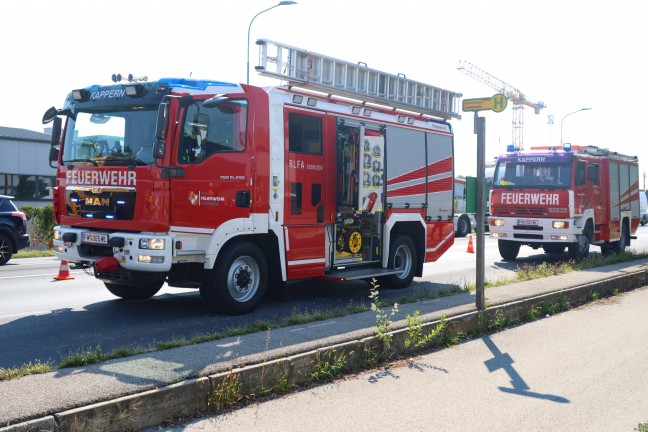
56, 140
216, 101
56, 132
161, 130
50, 115
53, 155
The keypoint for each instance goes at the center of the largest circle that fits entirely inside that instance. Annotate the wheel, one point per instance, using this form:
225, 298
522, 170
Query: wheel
6, 249
580, 249
463, 226
553, 248
238, 281
508, 249
134, 292
402, 256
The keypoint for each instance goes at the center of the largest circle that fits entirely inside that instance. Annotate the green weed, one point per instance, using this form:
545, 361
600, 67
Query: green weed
383, 318
328, 365
227, 393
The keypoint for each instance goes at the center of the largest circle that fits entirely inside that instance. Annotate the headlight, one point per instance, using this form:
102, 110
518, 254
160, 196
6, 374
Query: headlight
496, 222
151, 243
560, 224
57, 235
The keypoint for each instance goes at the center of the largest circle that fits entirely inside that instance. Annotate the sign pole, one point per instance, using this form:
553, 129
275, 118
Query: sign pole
496, 103
480, 130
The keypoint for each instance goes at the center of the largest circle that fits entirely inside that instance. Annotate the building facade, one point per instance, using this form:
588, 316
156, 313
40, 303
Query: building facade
25, 172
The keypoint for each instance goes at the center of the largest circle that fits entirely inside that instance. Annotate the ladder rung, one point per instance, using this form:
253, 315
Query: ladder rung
333, 76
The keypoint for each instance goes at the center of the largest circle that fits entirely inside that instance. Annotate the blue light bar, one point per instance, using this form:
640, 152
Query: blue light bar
567, 147
110, 216
195, 84
121, 202
510, 148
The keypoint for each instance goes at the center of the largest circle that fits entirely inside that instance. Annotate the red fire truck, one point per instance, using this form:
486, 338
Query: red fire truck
343, 173
564, 198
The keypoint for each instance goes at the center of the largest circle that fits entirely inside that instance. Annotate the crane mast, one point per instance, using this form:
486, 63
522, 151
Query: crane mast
517, 98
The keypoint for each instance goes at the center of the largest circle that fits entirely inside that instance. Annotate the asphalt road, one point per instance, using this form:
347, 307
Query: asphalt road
583, 370
45, 320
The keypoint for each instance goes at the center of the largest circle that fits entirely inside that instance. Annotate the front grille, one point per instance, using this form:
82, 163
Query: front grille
92, 251
528, 227
500, 210
101, 203
528, 236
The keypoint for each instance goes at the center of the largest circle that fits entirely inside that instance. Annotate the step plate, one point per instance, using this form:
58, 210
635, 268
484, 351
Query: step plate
358, 273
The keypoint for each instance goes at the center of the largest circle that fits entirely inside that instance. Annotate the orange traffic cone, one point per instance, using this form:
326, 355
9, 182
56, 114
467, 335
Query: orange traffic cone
470, 249
64, 271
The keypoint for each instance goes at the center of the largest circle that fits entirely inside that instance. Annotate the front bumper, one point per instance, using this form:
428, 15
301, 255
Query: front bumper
75, 245
529, 230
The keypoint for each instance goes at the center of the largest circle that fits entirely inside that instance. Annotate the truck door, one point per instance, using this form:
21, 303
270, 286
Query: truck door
217, 161
307, 208
594, 190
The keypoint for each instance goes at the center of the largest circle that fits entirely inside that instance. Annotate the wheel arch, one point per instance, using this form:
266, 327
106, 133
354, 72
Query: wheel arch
269, 245
416, 231
11, 236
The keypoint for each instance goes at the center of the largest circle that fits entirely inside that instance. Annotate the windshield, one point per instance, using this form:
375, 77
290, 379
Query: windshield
110, 138
532, 174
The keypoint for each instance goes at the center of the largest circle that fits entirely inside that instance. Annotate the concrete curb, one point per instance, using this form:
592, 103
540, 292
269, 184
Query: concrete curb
196, 396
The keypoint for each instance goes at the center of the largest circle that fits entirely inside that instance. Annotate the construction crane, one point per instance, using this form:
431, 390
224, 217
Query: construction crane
515, 96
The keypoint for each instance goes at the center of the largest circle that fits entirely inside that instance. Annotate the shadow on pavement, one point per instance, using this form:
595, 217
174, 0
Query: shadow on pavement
504, 361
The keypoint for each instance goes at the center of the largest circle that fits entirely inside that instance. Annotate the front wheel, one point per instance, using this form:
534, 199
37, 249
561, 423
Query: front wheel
6, 250
580, 249
238, 281
402, 257
508, 249
134, 292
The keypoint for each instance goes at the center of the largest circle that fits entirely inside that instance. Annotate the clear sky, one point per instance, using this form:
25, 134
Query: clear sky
569, 54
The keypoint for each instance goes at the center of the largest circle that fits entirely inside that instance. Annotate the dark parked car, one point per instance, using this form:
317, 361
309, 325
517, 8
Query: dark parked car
13, 229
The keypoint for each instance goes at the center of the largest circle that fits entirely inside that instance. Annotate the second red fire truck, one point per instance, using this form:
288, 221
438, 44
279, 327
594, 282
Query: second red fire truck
344, 173
564, 198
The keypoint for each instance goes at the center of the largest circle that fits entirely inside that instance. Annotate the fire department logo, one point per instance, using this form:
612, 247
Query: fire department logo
193, 198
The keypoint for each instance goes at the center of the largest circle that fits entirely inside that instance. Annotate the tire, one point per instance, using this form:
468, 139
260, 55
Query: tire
508, 249
134, 292
6, 249
463, 226
402, 256
553, 248
239, 280
580, 249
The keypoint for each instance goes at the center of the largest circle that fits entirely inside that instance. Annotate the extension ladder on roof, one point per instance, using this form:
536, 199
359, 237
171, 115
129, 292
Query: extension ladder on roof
329, 75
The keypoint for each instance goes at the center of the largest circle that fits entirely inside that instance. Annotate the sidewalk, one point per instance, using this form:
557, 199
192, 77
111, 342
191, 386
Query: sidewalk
141, 391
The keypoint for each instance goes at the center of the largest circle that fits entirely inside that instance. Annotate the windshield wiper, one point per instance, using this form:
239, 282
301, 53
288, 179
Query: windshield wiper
137, 161
92, 161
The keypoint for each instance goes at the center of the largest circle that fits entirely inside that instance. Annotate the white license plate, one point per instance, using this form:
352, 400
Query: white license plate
527, 222
95, 238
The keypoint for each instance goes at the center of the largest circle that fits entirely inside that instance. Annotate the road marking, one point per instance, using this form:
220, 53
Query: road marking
28, 276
